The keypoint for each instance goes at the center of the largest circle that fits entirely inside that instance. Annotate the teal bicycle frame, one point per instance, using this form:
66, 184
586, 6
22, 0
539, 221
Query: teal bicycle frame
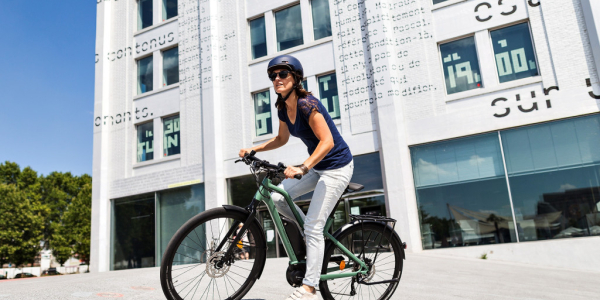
259, 196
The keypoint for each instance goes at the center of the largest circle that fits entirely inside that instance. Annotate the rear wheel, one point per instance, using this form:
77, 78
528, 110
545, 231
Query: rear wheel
384, 263
193, 267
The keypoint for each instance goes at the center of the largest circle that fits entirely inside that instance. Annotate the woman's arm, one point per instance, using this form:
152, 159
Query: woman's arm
281, 139
321, 130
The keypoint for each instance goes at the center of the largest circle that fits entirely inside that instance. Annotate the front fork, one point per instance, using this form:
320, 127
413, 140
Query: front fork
228, 257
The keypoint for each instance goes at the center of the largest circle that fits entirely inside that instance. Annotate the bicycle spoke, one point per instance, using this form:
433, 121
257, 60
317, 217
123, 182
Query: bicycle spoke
205, 292
227, 279
195, 251
184, 272
234, 280
188, 257
199, 239
243, 268
184, 267
197, 284
226, 289
369, 244
214, 284
196, 290
192, 280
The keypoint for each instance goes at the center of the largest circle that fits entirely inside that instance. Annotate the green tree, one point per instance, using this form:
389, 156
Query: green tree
54, 209
61, 243
78, 220
57, 191
9, 172
21, 226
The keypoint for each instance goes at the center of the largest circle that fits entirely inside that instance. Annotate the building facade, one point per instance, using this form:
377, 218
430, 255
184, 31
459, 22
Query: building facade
473, 123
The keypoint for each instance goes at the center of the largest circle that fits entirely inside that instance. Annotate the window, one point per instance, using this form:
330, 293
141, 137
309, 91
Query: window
438, 1
321, 18
133, 228
461, 65
171, 66
145, 75
554, 178
305, 85
175, 207
288, 23
144, 14
329, 94
171, 136
169, 9
258, 38
143, 225
461, 192
554, 173
145, 142
262, 113
515, 58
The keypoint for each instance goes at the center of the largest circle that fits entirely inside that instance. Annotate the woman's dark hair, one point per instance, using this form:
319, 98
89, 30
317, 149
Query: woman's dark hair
300, 92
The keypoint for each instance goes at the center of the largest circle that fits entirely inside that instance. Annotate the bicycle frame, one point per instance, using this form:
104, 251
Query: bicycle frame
259, 196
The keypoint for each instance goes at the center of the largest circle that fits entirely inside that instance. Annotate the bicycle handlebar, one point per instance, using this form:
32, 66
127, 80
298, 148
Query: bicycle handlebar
249, 159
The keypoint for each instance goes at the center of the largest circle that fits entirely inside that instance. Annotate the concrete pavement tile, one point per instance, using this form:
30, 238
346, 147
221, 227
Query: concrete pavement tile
425, 277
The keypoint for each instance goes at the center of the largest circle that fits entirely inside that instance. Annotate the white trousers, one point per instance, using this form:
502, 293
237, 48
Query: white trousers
328, 186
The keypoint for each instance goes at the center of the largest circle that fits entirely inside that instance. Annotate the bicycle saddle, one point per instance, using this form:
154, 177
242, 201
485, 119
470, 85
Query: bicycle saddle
354, 187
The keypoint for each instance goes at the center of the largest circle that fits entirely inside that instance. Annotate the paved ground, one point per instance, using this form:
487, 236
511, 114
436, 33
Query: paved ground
425, 276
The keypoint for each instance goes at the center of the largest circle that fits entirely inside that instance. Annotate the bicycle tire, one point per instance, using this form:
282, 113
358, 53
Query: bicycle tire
192, 255
342, 286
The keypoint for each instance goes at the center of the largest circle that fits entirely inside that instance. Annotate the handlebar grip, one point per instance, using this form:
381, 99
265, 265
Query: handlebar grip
252, 153
298, 176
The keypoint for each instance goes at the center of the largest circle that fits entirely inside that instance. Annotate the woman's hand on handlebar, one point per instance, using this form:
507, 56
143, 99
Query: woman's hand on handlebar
291, 171
244, 151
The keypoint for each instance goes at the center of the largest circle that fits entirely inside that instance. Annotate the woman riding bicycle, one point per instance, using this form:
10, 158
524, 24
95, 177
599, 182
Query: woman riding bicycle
327, 171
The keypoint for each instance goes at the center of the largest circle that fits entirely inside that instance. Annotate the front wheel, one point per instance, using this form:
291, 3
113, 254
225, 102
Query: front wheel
193, 267
381, 251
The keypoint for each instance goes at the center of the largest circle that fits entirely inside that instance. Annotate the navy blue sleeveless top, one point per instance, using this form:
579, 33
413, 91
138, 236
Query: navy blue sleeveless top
339, 155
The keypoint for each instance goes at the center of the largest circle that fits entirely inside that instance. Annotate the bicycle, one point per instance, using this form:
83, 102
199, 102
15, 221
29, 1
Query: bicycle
363, 259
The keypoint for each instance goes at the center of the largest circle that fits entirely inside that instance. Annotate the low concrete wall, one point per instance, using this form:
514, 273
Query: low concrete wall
72, 269
575, 253
11, 272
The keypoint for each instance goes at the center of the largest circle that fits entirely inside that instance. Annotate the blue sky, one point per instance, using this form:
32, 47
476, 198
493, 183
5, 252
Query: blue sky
47, 84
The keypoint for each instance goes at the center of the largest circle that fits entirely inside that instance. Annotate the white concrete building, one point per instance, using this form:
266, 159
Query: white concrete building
474, 123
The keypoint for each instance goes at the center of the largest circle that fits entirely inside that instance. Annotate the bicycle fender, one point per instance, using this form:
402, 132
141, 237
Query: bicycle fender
261, 231
357, 222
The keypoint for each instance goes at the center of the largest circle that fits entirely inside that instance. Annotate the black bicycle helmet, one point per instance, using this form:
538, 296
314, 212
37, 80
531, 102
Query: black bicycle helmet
286, 61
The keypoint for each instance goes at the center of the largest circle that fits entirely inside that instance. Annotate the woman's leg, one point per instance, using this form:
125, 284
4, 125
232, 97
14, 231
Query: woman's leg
295, 188
330, 187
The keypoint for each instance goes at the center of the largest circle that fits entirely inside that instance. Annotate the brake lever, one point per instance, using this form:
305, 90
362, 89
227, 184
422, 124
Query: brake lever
282, 168
237, 161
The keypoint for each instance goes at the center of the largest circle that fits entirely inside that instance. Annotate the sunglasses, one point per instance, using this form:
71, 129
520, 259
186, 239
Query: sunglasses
283, 75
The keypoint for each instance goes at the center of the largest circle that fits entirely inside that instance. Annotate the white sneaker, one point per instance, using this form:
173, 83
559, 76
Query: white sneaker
301, 293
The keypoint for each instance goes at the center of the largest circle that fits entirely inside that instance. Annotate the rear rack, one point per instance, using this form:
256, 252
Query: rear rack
382, 220
378, 219
372, 218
